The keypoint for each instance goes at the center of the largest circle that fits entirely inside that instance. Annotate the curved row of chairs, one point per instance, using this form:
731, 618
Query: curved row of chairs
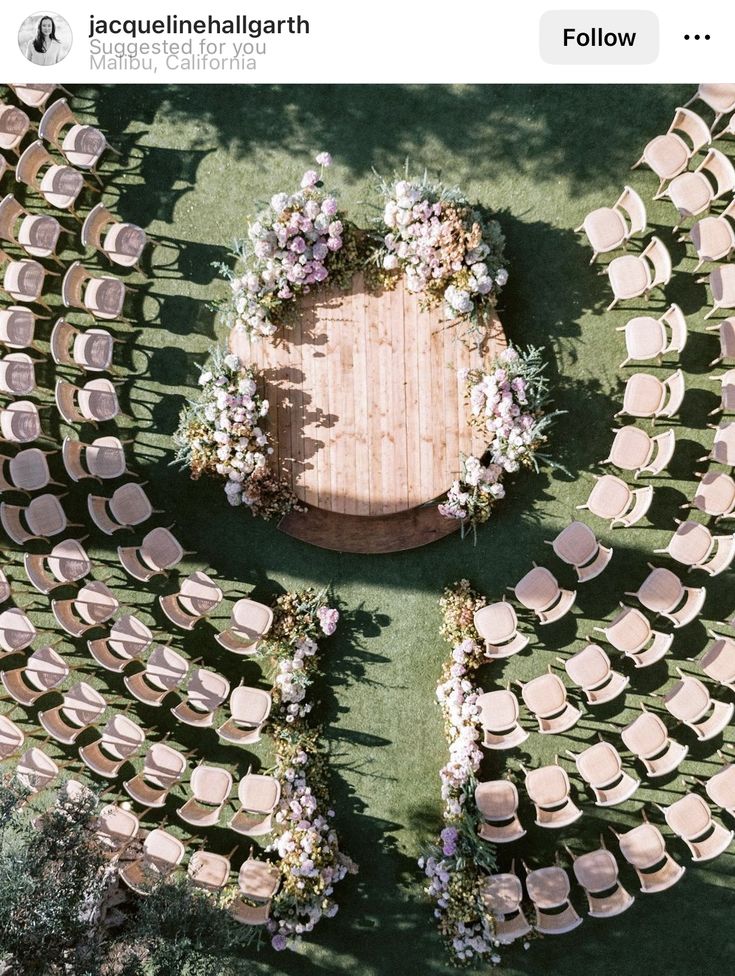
634, 633
117, 638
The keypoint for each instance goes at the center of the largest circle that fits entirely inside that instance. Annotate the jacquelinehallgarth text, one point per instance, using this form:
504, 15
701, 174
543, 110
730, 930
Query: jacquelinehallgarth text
173, 24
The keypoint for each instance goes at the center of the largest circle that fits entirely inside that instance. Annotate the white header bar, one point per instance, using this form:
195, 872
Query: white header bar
323, 41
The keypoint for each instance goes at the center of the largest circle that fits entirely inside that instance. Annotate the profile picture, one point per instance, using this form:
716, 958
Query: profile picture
45, 38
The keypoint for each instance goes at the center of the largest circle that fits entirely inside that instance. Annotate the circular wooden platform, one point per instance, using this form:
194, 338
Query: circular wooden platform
367, 411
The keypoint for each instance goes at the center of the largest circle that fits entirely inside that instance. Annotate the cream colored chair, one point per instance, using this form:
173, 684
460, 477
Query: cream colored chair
17, 374
647, 396
250, 622
497, 803
156, 555
37, 235
577, 546
11, 737
720, 788
121, 243
502, 895
103, 459
690, 703
601, 767
18, 327
120, 740
648, 739
17, 631
129, 506
197, 597
548, 889
718, 660
714, 495
94, 403
129, 639
90, 350
66, 563
663, 593
713, 237
206, 691
164, 672
691, 820
719, 97
631, 633
82, 145
103, 296
608, 228
19, 422
635, 450
35, 94
259, 796
14, 124
648, 338
693, 193
81, 708
42, 518
209, 870
497, 625
694, 545
636, 275
249, 711
35, 770
162, 854
60, 185
539, 591
591, 670
644, 849
94, 605
24, 280
546, 698
598, 874
726, 335
722, 285
723, 446
669, 154
613, 500
499, 719
163, 768
43, 671
549, 790
116, 828
210, 787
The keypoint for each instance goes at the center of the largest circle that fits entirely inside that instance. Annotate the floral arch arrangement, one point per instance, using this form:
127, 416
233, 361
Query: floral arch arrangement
446, 250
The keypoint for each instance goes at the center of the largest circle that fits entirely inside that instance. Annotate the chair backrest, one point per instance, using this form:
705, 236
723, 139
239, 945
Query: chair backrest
676, 386
97, 219
62, 336
693, 126
32, 160
720, 169
72, 285
673, 317
658, 255
10, 210
630, 202
53, 120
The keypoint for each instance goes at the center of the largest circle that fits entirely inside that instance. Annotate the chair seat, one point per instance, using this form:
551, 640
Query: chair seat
629, 276
666, 155
83, 145
645, 337
605, 229
61, 185
690, 193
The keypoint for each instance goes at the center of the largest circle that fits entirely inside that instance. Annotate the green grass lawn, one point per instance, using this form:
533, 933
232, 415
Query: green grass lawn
197, 163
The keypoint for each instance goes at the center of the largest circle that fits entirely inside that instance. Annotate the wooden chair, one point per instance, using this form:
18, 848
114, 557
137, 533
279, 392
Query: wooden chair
259, 796
17, 374
647, 396
546, 698
249, 711
591, 670
120, 739
103, 459
636, 275
719, 97
82, 145
691, 820
648, 739
66, 563
60, 185
14, 124
80, 709
611, 499
693, 193
648, 338
635, 450
539, 591
549, 790
156, 555
722, 285
631, 633
164, 672
18, 327
43, 671
502, 895
103, 296
206, 691
210, 787
250, 621
577, 546
548, 888
598, 874
499, 719
601, 767
35, 770
163, 768
19, 422
497, 803
690, 702
121, 243
644, 849
663, 593
197, 597
669, 154
608, 228
90, 350
162, 854
17, 631
694, 545
129, 639
94, 403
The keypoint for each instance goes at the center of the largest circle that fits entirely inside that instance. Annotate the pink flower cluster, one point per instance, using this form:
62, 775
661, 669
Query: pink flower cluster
328, 620
458, 699
287, 251
293, 680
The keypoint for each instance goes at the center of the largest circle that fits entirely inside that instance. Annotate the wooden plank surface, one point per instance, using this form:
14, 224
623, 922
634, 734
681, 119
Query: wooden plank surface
367, 415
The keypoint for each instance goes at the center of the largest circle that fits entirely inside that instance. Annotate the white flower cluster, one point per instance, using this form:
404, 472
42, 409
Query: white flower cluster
293, 680
469, 939
308, 845
233, 410
428, 233
458, 699
499, 401
286, 252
